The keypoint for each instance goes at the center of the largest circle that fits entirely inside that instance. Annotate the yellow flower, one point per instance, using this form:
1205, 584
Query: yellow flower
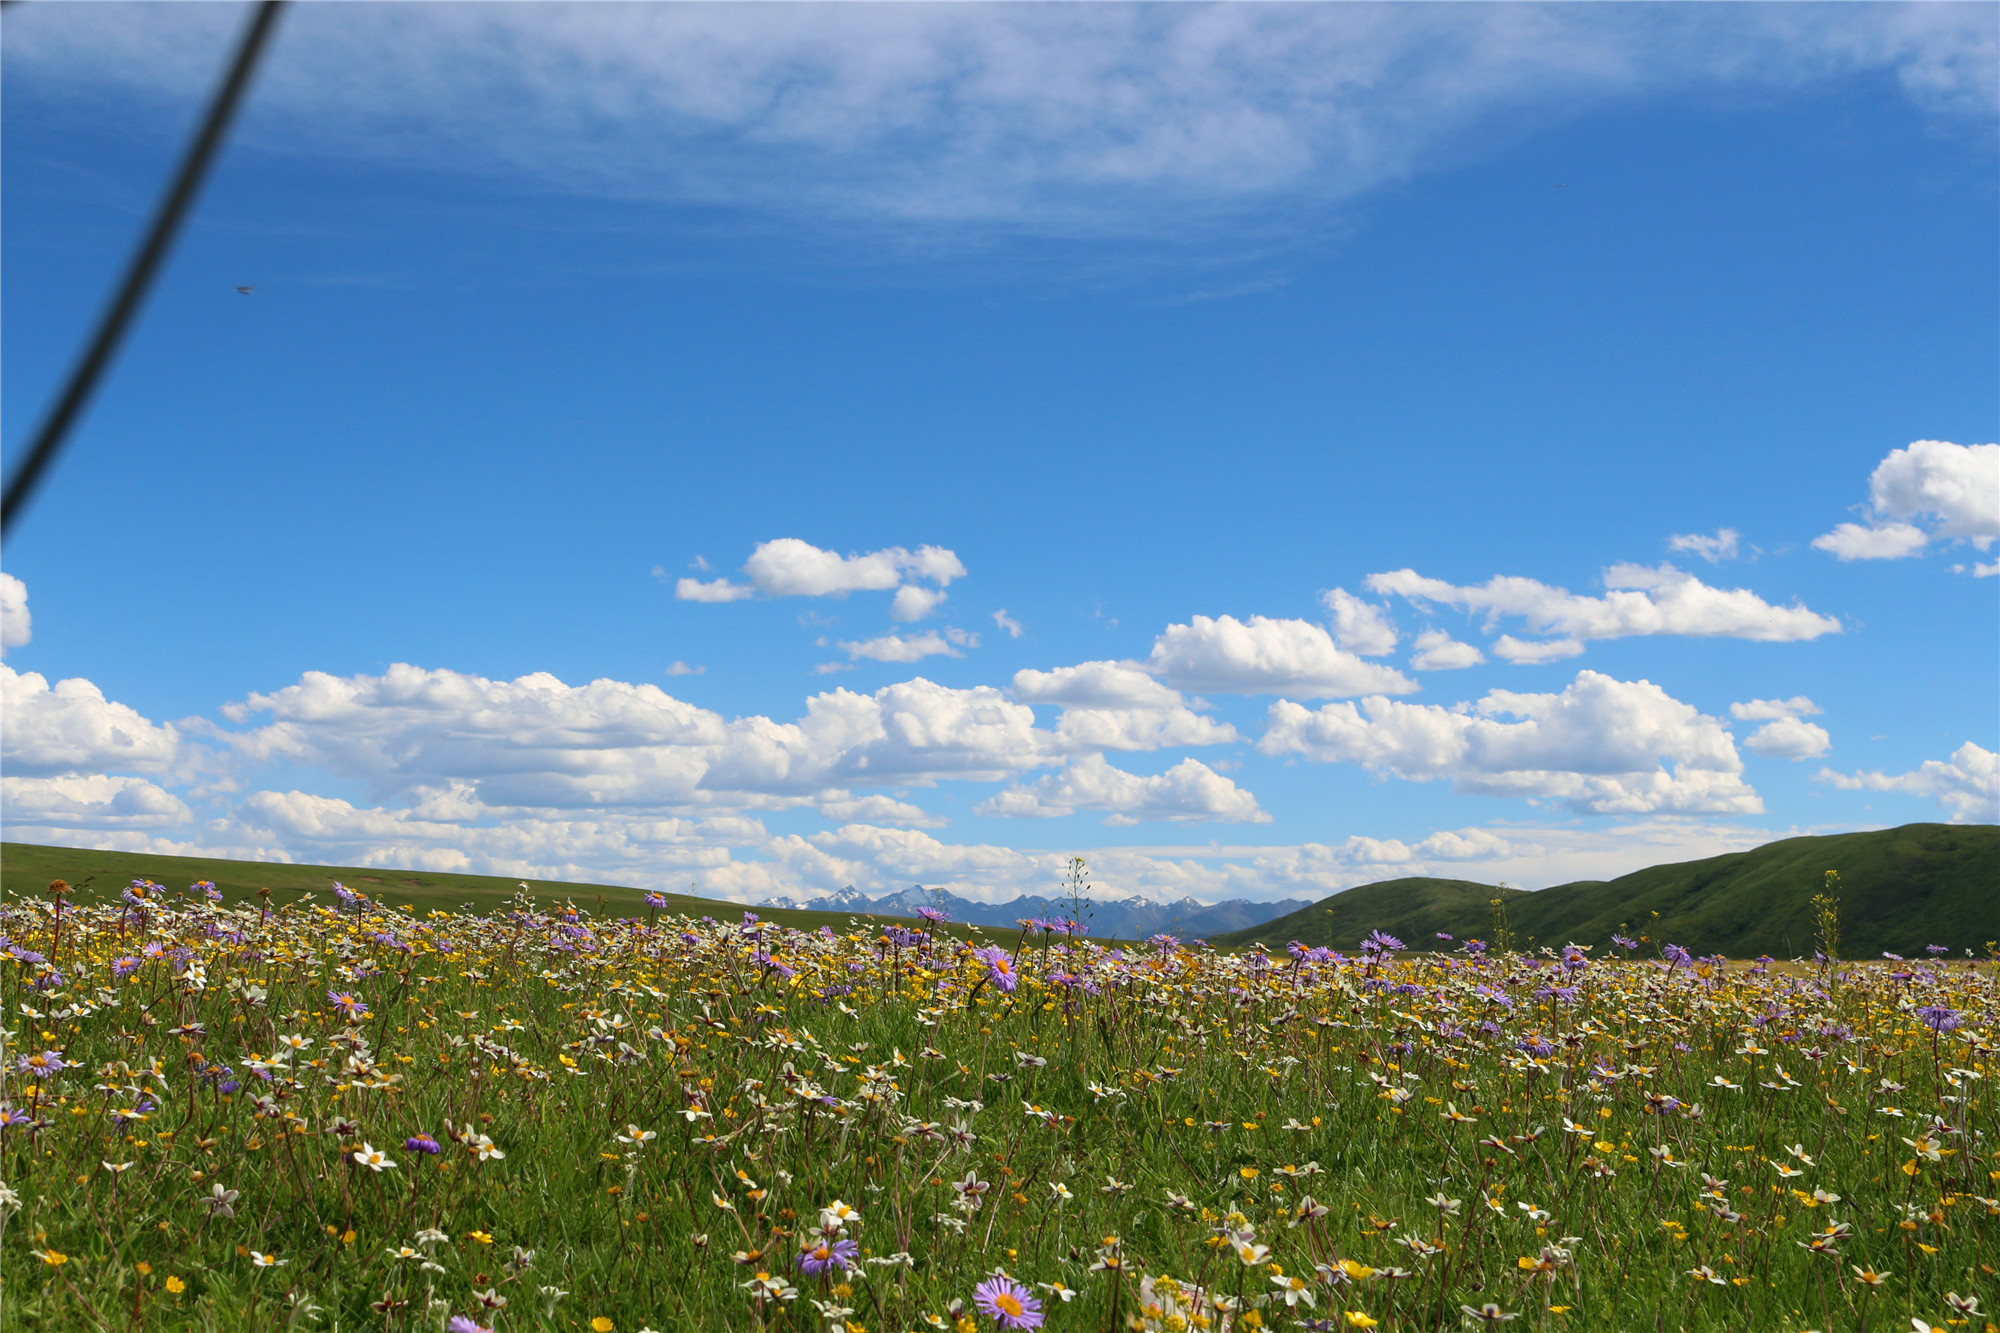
145, 1269
484, 1238
176, 1286
1360, 1319
53, 1258
1356, 1272
602, 1325
1248, 1173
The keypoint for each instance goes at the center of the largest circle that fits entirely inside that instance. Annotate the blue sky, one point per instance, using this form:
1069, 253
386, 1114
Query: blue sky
772, 449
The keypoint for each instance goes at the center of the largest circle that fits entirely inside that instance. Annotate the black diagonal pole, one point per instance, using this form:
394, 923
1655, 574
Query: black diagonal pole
145, 266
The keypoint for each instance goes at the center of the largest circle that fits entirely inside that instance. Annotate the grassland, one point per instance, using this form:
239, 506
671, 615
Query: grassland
231, 1118
99, 876
1900, 889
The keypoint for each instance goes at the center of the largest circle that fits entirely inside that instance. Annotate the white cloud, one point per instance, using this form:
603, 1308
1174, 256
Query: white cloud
1954, 488
1767, 710
1189, 791
680, 668
16, 625
914, 603
1095, 685
1438, 651
896, 648
1990, 569
1885, 541
1083, 729
1713, 548
714, 590
537, 744
1529, 652
1640, 599
1074, 120
1008, 623
1603, 746
1967, 784
1362, 628
1264, 656
1789, 738
846, 807
72, 728
88, 801
789, 567
1118, 706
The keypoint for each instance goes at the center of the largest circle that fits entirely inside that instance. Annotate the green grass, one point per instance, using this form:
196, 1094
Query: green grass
1901, 889
675, 1114
29, 868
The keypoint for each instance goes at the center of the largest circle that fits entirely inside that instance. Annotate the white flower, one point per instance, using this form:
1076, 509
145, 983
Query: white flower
373, 1158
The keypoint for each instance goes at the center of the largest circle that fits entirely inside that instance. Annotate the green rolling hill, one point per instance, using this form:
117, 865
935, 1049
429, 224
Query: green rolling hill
28, 868
1901, 889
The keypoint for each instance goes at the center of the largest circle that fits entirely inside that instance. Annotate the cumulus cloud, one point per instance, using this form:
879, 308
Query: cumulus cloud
1967, 784
1083, 729
1766, 710
1715, 548
1095, 685
1932, 490
1789, 738
845, 806
95, 801
1876, 541
713, 590
1639, 600
1189, 791
71, 728
790, 567
16, 625
1602, 746
1265, 656
1362, 628
897, 648
1438, 651
1118, 706
913, 602
536, 743
1084, 120
1533, 652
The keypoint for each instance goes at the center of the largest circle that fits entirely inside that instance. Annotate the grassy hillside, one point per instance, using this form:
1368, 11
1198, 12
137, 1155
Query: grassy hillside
1413, 910
1901, 889
28, 868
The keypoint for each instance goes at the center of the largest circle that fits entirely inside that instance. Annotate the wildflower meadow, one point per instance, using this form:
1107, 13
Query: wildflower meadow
352, 1115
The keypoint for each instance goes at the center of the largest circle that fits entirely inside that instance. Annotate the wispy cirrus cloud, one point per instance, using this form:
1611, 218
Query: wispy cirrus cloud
1085, 120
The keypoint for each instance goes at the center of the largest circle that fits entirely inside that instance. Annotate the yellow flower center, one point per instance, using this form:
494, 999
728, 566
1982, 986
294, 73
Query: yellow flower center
1010, 1303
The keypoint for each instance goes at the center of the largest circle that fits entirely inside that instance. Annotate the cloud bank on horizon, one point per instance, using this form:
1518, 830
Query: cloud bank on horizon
535, 776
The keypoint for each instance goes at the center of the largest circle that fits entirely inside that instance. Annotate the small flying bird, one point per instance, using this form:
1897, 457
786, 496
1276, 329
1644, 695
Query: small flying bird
246, 290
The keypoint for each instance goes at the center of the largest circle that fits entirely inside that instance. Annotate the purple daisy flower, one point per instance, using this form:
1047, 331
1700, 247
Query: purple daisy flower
828, 1256
1008, 1303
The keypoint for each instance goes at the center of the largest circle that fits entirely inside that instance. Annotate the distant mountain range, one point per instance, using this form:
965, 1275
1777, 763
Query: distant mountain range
1105, 918
1901, 889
